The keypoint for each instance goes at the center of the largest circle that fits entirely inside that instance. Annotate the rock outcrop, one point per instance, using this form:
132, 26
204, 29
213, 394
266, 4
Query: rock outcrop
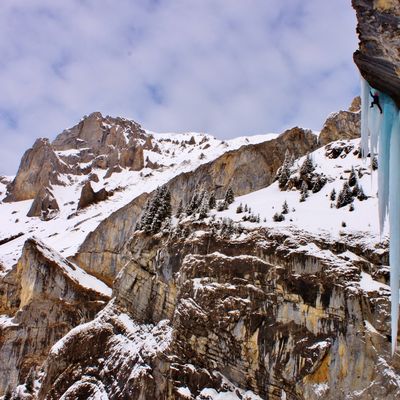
341, 125
43, 298
96, 142
280, 313
89, 196
40, 167
44, 206
378, 58
103, 252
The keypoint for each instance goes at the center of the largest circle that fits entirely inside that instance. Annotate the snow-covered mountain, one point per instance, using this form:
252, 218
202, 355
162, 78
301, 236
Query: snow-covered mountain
144, 265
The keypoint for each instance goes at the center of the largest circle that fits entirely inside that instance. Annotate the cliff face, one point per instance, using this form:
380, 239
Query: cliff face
103, 252
280, 313
42, 299
378, 58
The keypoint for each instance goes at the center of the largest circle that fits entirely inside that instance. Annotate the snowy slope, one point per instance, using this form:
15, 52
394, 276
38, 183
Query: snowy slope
316, 214
174, 154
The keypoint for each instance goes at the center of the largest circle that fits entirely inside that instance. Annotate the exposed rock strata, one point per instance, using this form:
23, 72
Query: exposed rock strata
43, 301
103, 252
378, 57
89, 196
280, 313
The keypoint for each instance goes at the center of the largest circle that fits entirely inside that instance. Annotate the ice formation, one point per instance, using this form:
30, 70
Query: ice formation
380, 134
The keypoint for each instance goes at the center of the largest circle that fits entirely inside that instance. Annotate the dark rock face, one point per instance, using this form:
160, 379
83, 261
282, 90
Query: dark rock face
44, 206
378, 57
263, 310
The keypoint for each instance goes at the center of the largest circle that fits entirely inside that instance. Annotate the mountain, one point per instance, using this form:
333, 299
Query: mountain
140, 265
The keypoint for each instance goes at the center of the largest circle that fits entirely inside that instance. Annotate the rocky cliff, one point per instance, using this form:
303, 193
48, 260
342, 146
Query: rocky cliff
378, 58
277, 314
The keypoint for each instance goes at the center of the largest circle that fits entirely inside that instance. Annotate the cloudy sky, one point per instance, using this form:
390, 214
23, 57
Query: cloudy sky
227, 67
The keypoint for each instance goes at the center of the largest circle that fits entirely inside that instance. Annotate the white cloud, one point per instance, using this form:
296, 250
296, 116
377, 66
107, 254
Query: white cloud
227, 67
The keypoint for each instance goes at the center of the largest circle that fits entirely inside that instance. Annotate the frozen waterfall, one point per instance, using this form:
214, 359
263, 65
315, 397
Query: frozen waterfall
380, 134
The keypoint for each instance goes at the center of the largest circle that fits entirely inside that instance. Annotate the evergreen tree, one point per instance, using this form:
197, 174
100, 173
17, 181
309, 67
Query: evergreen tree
352, 177
332, 196
345, 196
307, 167
319, 183
278, 217
285, 207
284, 171
246, 208
303, 191
361, 195
221, 206
351, 208
239, 209
30, 380
229, 196
204, 206
212, 202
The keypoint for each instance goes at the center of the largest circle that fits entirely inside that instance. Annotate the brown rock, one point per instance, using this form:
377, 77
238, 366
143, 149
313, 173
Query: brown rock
89, 196
355, 104
341, 125
44, 206
247, 169
378, 57
40, 167
132, 158
50, 301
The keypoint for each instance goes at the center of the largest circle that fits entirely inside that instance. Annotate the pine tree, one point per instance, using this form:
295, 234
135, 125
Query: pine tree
204, 206
319, 183
229, 196
246, 208
361, 195
351, 208
345, 196
303, 191
30, 380
278, 217
307, 167
212, 202
352, 178
239, 209
284, 171
332, 196
285, 207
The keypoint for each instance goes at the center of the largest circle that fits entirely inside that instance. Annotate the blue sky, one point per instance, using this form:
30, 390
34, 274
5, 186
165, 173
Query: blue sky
227, 67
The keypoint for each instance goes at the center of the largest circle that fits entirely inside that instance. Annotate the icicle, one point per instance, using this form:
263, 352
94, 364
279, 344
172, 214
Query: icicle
364, 117
394, 221
384, 157
383, 131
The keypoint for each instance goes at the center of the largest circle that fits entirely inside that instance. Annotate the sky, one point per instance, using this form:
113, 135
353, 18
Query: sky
226, 67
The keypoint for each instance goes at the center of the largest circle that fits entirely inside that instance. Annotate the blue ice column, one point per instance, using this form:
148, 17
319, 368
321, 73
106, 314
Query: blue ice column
382, 132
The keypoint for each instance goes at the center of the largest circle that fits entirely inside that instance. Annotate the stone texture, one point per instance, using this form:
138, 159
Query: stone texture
341, 125
378, 57
40, 167
44, 206
262, 310
103, 252
355, 105
44, 302
89, 196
